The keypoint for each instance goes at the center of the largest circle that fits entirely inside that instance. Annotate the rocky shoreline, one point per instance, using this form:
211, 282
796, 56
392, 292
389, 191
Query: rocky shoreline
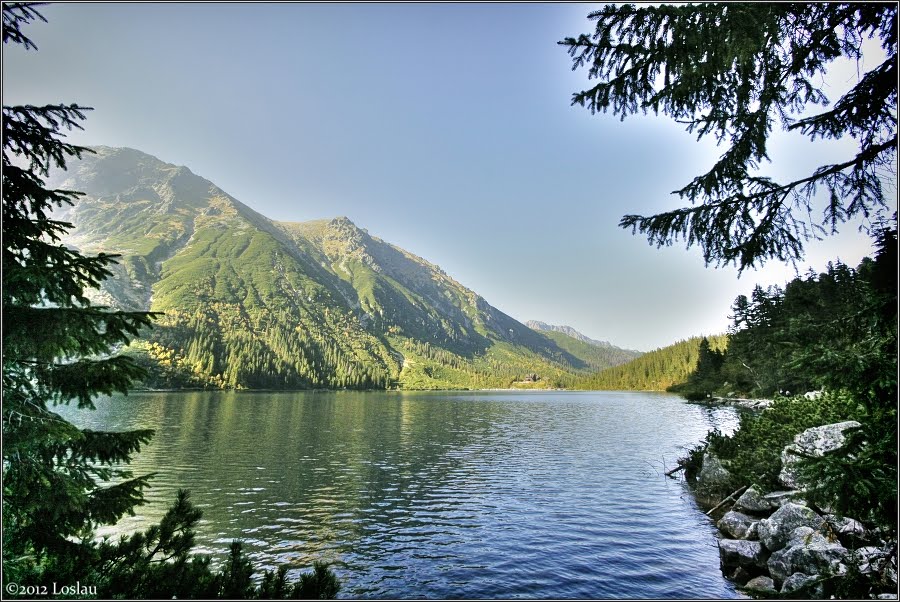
775, 544
740, 403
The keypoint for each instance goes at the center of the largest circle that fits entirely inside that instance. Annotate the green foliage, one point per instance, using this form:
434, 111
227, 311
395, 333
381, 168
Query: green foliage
654, 371
753, 453
862, 359
693, 462
801, 337
166, 369
831, 330
157, 564
321, 584
732, 71
859, 479
55, 351
835, 331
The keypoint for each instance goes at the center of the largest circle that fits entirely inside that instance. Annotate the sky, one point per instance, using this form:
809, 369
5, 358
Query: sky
445, 129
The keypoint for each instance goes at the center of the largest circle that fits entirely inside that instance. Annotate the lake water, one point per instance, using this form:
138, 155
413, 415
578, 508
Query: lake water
438, 495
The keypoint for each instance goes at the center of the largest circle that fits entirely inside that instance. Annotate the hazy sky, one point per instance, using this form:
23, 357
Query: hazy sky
445, 129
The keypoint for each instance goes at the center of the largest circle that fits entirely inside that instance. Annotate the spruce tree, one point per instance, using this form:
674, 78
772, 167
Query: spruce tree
59, 481
706, 377
56, 349
734, 71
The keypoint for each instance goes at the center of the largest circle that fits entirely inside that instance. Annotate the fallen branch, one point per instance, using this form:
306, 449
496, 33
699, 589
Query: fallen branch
674, 470
722, 503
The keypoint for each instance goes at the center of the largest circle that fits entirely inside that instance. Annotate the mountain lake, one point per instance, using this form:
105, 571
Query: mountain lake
486, 494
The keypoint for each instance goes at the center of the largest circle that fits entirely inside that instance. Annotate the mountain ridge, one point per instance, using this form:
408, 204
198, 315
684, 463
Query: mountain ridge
569, 331
253, 302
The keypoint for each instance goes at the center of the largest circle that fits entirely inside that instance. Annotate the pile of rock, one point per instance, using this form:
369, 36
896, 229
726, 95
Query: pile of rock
794, 547
774, 543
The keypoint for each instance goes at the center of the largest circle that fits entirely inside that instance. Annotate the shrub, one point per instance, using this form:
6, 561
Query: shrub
753, 453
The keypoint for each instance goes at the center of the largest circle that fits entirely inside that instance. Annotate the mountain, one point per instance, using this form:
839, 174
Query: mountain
251, 302
566, 330
599, 354
653, 371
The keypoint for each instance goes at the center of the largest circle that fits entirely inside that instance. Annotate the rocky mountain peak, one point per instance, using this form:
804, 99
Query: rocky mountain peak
567, 330
342, 221
342, 238
127, 174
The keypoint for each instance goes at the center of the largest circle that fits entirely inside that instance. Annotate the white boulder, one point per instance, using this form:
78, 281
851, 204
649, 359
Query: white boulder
816, 442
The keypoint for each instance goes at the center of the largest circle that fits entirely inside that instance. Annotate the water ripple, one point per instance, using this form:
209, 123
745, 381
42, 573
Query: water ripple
437, 495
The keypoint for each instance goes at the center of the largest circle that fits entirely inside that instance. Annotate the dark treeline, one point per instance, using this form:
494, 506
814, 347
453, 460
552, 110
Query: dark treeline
654, 371
228, 346
830, 330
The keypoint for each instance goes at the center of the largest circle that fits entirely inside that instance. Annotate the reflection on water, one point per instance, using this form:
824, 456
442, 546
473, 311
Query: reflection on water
438, 495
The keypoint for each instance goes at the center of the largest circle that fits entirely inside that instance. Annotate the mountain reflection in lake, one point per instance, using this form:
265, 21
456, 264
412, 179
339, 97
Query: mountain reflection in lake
438, 495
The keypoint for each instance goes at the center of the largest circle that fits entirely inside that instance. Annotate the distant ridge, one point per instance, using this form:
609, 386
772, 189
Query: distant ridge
569, 331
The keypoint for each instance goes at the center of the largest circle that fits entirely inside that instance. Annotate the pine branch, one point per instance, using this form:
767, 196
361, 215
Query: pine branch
726, 229
16, 14
34, 133
730, 71
48, 334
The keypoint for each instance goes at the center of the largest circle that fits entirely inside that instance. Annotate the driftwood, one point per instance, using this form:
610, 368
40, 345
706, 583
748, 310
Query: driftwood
722, 503
674, 470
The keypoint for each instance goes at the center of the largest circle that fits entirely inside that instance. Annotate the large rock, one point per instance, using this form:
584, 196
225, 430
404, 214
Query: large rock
850, 531
816, 442
810, 553
752, 502
881, 561
736, 524
742, 553
869, 559
741, 575
775, 531
777, 499
713, 476
753, 532
749, 404
761, 585
800, 580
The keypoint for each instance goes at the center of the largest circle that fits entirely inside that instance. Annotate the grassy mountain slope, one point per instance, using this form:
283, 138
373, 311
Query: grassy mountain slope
249, 302
242, 306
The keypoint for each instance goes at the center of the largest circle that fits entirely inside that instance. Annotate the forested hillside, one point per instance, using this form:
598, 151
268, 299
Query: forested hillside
654, 371
251, 303
831, 330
